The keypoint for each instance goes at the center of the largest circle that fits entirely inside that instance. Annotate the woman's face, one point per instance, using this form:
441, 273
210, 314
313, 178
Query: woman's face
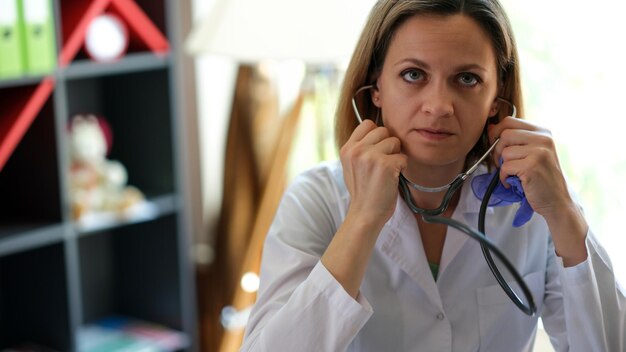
437, 87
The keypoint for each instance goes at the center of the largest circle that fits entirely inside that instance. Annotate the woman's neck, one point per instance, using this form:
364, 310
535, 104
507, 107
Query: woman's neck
431, 176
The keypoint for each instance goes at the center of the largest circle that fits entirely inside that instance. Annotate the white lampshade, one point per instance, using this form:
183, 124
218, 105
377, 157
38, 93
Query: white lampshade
314, 31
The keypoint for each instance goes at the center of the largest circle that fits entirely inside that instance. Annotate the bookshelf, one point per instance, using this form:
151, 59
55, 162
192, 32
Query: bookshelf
57, 276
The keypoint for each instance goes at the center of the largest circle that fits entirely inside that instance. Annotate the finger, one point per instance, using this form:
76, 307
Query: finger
389, 145
361, 131
514, 167
368, 147
515, 137
399, 163
376, 135
515, 152
495, 130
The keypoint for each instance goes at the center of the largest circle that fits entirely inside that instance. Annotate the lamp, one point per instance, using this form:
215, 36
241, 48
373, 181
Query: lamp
249, 31
320, 34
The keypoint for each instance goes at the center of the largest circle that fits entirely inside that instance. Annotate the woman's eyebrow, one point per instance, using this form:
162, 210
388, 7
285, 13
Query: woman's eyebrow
471, 67
422, 64
414, 61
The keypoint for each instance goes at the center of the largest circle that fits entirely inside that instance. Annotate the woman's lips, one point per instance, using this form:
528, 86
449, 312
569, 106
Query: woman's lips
434, 135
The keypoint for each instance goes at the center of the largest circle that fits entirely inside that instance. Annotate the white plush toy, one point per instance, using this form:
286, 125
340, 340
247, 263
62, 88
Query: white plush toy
97, 184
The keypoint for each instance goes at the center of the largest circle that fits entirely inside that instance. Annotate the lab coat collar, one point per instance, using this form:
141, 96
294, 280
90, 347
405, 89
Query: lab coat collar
466, 212
400, 240
469, 204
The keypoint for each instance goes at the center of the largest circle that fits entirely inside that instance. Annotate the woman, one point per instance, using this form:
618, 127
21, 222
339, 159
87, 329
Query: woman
347, 265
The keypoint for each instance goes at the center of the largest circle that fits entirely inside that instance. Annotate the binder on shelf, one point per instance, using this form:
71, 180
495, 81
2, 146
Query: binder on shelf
11, 49
39, 36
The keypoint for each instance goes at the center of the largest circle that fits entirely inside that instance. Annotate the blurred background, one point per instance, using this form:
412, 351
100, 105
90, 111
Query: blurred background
144, 146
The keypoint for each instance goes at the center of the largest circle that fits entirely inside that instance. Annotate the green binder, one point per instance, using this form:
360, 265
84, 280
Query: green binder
11, 56
39, 36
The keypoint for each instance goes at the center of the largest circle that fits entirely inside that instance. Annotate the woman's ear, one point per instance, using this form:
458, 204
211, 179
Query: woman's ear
494, 108
375, 93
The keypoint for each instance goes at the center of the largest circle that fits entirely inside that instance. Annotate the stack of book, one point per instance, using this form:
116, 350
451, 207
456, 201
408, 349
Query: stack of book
27, 38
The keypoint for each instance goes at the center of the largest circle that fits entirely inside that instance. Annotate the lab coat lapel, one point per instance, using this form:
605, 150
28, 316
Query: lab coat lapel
466, 212
401, 242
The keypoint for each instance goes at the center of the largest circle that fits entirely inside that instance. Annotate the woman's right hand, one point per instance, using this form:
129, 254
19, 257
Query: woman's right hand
372, 164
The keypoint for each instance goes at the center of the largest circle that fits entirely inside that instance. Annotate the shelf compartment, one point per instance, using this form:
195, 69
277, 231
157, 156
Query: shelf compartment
132, 271
33, 299
20, 106
144, 35
155, 10
29, 181
137, 107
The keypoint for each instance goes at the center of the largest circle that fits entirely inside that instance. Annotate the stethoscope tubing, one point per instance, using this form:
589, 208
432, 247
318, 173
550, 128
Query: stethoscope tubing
529, 309
486, 244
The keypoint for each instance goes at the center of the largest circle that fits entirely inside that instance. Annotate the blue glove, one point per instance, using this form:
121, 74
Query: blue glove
502, 196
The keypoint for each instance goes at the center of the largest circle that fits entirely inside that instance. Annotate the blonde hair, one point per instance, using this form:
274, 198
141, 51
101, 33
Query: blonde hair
382, 23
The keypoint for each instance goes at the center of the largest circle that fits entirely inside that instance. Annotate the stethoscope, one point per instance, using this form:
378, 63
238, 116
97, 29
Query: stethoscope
487, 246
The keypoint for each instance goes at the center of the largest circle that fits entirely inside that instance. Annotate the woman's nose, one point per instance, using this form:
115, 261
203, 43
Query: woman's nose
437, 100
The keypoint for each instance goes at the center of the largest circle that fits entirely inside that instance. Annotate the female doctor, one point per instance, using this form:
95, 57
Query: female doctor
347, 265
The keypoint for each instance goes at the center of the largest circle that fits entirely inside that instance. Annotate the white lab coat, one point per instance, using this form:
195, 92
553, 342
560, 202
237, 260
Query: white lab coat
400, 307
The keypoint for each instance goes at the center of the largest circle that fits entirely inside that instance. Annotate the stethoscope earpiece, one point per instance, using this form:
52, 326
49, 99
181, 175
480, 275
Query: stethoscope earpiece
354, 107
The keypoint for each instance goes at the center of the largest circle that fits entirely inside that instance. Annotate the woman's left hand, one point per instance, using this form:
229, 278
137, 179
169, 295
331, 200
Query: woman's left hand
528, 152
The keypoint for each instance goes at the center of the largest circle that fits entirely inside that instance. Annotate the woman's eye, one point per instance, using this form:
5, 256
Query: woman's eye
468, 79
412, 75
